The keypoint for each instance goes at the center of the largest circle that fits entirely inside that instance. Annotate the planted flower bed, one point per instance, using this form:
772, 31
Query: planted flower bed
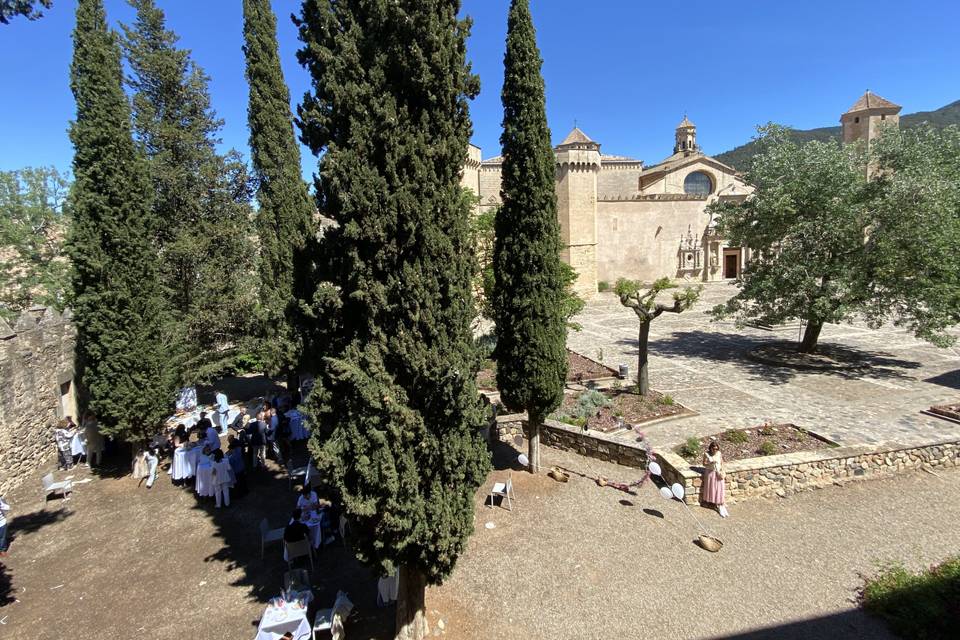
614, 409
579, 369
763, 440
951, 411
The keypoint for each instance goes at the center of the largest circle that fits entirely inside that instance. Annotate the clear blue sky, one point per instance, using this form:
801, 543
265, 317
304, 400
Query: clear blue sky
625, 70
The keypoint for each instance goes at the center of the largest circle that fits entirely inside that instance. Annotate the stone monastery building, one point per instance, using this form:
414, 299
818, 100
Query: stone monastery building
620, 218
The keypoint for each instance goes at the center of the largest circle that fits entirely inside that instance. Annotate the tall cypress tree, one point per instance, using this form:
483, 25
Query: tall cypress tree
285, 215
528, 291
201, 198
396, 410
116, 298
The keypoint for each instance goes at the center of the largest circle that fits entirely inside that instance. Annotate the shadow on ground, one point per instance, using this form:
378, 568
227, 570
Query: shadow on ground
735, 349
949, 379
848, 625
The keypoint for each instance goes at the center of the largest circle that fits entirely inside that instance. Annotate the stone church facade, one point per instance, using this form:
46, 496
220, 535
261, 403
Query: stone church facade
621, 218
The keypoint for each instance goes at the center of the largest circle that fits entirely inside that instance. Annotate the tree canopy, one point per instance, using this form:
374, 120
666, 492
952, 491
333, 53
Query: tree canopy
29, 9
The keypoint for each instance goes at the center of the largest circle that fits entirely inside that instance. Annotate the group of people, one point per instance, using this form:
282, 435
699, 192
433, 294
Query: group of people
309, 508
91, 441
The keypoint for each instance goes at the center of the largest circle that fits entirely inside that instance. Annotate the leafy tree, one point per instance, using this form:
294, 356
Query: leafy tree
829, 245
395, 407
30, 9
285, 216
33, 221
528, 290
201, 198
116, 297
643, 300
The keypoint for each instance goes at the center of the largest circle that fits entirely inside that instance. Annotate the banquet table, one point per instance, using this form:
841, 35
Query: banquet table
184, 463
204, 470
278, 621
77, 446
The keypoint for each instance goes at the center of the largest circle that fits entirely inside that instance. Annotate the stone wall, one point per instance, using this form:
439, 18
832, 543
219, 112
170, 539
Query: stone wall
565, 437
36, 390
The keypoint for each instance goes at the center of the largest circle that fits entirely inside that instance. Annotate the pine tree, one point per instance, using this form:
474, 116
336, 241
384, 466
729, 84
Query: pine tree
201, 198
116, 299
529, 285
285, 215
396, 409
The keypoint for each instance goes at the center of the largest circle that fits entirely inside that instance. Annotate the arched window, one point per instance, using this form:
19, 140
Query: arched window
698, 184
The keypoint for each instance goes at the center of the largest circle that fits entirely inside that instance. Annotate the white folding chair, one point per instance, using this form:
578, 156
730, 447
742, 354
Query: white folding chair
298, 549
51, 487
332, 619
268, 535
504, 490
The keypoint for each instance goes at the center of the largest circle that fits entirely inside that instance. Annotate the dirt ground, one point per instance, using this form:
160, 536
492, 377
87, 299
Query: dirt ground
121, 561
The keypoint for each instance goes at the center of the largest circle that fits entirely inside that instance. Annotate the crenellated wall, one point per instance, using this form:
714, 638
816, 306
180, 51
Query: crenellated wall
36, 390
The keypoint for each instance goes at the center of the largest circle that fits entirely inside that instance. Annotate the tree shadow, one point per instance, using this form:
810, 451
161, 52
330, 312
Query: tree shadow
335, 567
854, 624
6, 587
735, 349
504, 456
239, 387
32, 522
950, 379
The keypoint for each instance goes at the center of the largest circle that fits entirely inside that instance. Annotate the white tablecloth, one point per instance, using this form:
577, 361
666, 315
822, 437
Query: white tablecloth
77, 447
184, 463
186, 419
387, 588
204, 484
276, 622
316, 532
298, 426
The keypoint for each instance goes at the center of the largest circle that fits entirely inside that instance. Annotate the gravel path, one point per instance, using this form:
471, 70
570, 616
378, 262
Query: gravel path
578, 561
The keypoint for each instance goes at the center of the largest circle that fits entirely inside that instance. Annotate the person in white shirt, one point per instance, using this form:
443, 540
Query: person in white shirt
308, 500
223, 409
4, 507
222, 478
213, 438
150, 457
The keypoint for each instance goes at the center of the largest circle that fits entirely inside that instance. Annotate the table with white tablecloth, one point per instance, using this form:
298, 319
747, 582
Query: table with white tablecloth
184, 463
290, 619
77, 445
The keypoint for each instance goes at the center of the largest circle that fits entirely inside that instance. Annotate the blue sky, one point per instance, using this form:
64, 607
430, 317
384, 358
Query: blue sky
625, 70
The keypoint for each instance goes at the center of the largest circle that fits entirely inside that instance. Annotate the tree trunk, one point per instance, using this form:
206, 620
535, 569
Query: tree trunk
411, 610
643, 373
293, 381
533, 443
810, 336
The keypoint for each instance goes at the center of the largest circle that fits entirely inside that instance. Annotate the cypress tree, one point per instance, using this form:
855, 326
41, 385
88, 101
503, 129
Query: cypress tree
529, 284
201, 198
116, 298
285, 215
396, 412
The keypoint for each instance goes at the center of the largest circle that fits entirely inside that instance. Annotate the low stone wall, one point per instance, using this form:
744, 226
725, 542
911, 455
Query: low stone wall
779, 475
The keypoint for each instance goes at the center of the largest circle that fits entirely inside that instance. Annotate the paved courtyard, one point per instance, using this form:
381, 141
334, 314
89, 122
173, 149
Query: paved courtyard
704, 365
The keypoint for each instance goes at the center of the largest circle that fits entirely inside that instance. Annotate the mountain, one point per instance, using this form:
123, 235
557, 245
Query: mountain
740, 157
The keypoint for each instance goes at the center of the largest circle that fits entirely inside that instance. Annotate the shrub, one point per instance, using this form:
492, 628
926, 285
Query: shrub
667, 400
602, 286
767, 430
573, 420
916, 605
767, 448
736, 436
589, 403
691, 448
617, 385
486, 344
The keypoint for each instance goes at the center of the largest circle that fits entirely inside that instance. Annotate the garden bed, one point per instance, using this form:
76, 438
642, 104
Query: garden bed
951, 411
763, 440
579, 369
615, 409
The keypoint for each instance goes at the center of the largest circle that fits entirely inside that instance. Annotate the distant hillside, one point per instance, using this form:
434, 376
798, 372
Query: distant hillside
740, 157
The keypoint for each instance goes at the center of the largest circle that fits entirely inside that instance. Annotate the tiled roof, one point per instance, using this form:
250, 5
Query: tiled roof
575, 137
871, 101
685, 123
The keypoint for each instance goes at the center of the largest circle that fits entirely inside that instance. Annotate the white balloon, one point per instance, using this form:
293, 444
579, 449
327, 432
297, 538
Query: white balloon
654, 468
677, 489
522, 459
666, 493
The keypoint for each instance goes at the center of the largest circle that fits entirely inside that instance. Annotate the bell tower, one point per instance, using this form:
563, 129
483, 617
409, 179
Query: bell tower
864, 120
578, 164
685, 138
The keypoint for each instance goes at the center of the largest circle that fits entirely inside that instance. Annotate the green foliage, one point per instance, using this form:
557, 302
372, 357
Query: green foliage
667, 400
829, 245
577, 421
528, 294
201, 203
486, 345
767, 430
117, 303
396, 413
736, 436
767, 448
285, 223
589, 403
916, 606
30, 9
691, 448
602, 286
33, 221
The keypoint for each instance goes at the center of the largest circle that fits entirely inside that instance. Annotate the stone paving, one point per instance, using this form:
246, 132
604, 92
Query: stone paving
704, 365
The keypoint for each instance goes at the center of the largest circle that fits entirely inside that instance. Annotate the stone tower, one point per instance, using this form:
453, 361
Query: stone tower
864, 120
578, 163
686, 138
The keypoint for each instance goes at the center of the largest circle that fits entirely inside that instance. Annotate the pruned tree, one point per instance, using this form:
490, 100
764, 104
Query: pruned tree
121, 358
528, 279
643, 300
397, 418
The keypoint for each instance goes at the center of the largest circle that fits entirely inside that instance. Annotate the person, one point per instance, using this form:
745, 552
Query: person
94, 441
213, 438
180, 435
152, 462
222, 479
295, 531
712, 485
223, 409
202, 425
4, 507
235, 458
255, 442
308, 500
62, 436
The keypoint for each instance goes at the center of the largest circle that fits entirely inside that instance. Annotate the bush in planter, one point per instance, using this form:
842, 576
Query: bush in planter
736, 436
691, 448
767, 448
589, 404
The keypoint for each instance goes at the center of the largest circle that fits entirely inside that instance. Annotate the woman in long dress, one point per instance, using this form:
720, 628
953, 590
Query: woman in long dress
712, 485
92, 438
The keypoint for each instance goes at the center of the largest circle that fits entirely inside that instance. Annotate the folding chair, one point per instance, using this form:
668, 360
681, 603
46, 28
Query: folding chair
268, 535
298, 549
332, 619
51, 487
504, 490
